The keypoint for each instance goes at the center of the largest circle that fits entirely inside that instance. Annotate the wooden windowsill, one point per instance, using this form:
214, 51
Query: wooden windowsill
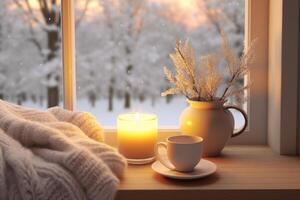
244, 172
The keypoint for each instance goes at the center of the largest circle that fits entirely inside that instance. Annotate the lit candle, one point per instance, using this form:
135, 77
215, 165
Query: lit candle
137, 135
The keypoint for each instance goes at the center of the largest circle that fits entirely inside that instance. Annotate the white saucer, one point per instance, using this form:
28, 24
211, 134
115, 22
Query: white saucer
203, 169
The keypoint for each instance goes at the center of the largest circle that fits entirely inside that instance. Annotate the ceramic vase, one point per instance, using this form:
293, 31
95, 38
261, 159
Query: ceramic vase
213, 122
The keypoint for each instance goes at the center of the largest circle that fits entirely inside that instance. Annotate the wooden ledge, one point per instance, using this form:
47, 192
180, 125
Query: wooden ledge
244, 172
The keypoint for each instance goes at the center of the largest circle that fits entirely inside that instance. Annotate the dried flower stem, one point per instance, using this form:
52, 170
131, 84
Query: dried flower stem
203, 87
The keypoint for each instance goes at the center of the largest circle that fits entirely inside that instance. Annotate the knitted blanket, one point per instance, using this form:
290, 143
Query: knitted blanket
55, 154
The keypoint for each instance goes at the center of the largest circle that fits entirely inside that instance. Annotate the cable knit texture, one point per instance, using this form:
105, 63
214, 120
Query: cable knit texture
55, 154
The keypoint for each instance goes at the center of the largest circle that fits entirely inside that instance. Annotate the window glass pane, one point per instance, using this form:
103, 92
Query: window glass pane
122, 46
30, 60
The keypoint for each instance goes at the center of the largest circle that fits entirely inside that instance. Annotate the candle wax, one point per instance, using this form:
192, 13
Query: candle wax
137, 135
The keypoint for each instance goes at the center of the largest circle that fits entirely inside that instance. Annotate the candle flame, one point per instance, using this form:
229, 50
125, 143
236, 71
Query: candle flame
189, 123
137, 116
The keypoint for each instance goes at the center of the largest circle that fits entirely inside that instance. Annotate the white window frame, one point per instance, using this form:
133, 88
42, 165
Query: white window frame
256, 26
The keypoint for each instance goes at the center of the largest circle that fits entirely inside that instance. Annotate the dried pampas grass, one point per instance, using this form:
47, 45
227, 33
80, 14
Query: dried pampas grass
202, 81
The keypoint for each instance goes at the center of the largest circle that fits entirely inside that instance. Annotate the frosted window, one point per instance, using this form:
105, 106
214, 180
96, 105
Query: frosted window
122, 46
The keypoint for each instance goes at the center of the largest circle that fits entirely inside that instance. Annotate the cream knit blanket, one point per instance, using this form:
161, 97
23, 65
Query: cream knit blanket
55, 154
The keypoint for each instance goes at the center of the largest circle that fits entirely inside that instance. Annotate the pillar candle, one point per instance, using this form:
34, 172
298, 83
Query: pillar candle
137, 135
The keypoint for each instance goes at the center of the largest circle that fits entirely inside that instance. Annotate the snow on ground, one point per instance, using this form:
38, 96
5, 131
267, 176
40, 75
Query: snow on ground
168, 113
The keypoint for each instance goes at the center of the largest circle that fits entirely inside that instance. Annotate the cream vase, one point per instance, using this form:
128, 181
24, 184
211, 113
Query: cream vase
213, 122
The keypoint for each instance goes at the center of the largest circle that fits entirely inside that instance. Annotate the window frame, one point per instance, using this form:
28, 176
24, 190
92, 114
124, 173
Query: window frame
256, 26
284, 77
68, 54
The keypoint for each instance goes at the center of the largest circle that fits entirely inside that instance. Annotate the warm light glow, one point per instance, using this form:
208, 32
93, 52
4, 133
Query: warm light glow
186, 12
137, 134
81, 4
189, 123
137, 116
34, 4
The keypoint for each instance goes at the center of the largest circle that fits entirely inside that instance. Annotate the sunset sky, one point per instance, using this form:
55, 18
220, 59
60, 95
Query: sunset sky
186, 12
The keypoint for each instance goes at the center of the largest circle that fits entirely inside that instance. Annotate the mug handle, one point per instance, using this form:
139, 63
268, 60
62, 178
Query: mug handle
163, 161
236, 133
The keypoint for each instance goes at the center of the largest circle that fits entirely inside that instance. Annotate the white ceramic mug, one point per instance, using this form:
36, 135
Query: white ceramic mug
183, 152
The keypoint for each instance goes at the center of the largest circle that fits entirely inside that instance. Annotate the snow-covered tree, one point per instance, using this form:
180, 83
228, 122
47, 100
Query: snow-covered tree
46, 19
157, 40
227, 16
135, 41
124, 20
15, 59
44, 27
2, 70
121, 46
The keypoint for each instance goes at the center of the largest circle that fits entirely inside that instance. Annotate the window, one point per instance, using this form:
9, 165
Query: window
122, 46
256, 26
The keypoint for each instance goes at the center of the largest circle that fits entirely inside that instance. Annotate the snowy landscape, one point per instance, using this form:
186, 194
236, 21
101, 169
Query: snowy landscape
121, 48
